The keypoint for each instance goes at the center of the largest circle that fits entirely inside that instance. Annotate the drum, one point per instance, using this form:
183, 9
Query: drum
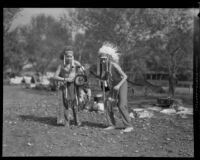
80, 80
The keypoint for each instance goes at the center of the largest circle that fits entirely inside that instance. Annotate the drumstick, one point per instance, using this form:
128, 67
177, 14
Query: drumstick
104, 97
64, 60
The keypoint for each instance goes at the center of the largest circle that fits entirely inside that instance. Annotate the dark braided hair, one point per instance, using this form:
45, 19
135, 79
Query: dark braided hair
66, 48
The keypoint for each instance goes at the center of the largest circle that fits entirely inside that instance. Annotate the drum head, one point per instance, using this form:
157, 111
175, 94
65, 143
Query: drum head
80, 80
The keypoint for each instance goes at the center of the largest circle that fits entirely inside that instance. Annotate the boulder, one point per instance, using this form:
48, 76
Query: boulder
141, 113
185, 111
168, 111
131, 115
145, 114
155, 108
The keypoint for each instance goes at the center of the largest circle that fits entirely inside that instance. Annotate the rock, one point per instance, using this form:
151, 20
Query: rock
32, 85
138, 109
131, 115
141, 113
186, 111
145, 138
177, 102
181, 108
29, 144
168, 139
74, 134
148, 124
183, 116
155, 108
168, 111
145, 114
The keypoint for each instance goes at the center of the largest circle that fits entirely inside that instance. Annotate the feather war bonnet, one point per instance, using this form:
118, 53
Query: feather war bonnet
110, 50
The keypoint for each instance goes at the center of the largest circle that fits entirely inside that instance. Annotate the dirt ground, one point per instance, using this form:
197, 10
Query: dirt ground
29, 129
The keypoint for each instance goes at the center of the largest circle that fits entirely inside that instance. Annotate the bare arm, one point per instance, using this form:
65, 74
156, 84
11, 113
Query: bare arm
56, 76
94, 74
123, 75
77, 63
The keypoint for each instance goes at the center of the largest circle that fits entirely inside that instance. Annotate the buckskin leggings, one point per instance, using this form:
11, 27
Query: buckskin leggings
122, 106
64, 105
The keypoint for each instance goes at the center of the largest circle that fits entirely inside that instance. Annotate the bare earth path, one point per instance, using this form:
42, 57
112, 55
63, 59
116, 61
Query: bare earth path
29, 129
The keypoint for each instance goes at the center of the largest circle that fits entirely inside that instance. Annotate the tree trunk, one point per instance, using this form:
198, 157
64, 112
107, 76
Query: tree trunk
80, 57
172, 84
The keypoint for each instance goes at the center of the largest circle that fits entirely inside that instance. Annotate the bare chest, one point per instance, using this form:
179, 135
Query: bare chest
67, 71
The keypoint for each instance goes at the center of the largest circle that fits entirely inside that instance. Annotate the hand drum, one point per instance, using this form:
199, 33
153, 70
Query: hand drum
80, 80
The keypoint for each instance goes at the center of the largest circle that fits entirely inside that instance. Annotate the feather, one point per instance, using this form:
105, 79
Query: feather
110, 50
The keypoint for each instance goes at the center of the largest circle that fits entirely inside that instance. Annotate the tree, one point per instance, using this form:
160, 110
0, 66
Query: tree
9, 15
45, 38
160, 38
173, 43
12, 52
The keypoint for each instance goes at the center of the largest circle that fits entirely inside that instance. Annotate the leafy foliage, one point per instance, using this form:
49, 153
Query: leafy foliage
149, 39
45, 38
157, 40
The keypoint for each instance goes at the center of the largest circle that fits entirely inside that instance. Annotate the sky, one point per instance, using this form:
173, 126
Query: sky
26, 14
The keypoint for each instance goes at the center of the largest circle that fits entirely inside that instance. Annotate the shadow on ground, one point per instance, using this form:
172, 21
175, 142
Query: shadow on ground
37, 91
45, 120
98, 125
53, 121
93, 124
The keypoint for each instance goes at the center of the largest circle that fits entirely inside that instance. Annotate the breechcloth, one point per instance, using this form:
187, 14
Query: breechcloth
68, 95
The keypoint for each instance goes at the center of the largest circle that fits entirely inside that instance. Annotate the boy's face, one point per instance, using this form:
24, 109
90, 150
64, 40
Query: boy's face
69, 57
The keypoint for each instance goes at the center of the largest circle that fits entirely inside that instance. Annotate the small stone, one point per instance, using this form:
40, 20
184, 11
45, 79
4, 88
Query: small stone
14, 122
183, 116
131, 115
30, 144
145, 138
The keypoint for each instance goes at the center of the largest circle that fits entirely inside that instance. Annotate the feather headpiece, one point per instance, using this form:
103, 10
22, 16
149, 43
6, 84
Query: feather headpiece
110, 50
